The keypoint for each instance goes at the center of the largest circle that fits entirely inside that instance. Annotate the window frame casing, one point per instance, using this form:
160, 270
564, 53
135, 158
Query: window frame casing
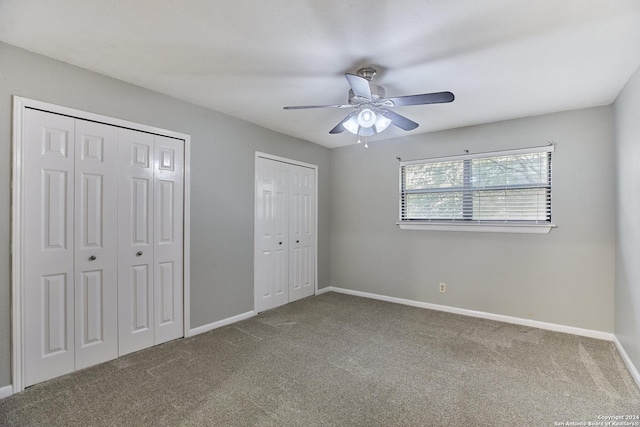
505, 226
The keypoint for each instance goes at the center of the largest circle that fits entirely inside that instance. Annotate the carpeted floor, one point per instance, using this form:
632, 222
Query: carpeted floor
338, 360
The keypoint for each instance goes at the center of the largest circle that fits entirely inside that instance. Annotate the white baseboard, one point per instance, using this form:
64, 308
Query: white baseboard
6, 391
481, 314
220, 323
627, 361
324, 290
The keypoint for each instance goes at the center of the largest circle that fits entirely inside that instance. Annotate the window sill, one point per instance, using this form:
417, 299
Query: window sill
477, 227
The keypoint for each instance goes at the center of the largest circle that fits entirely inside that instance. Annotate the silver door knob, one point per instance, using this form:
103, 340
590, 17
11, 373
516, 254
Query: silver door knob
92, 258
139, 253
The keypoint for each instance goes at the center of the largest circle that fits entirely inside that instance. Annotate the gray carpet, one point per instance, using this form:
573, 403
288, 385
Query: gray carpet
338, 360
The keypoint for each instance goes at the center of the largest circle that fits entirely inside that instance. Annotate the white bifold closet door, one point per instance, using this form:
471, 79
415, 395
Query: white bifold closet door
301, 232
70, 312
150, 205
96, 244
284, 233
103, 242
272, 231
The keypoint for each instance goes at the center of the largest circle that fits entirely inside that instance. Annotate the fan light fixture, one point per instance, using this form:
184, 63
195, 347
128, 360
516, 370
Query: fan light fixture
367, 122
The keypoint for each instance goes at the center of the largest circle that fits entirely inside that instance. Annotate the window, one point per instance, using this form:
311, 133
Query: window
489, 191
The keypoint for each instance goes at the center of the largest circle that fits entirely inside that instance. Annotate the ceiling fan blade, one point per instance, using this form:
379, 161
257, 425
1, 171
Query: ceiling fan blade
359, 85
425, 98
401, 121
304, 107
338, 129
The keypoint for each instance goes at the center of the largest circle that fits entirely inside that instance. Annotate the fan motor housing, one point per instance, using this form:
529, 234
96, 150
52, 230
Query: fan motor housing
377, 92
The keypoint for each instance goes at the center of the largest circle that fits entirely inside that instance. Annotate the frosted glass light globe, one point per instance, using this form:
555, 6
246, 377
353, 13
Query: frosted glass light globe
367, 118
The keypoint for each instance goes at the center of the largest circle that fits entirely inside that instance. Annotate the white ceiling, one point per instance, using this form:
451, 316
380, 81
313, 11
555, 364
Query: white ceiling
249, 58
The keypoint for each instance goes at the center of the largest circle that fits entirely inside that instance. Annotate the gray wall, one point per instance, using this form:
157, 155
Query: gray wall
627, 287
564, 277
222, 166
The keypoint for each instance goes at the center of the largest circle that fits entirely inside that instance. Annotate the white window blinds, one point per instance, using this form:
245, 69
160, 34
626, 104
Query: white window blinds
504, 187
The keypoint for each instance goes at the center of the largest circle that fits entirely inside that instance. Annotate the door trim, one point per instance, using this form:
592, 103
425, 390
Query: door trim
259, 154
17, 210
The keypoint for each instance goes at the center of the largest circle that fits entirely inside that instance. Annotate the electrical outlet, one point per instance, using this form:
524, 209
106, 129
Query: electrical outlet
443, 287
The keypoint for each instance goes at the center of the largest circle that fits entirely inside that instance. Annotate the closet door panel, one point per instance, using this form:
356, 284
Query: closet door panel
264, 258
96, 244
135, 240
302, 233
272, 230
168, 238
48, 245
281, 233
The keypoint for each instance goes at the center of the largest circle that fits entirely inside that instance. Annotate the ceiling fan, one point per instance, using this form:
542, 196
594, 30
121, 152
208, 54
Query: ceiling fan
372, 113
